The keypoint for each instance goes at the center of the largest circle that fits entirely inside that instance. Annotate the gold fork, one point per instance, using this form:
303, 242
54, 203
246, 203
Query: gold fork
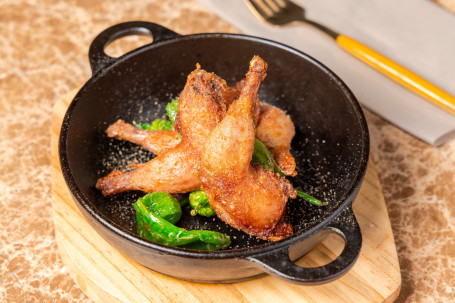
285, 12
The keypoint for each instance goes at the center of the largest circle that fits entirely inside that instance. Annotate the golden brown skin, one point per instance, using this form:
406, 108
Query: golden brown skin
247, 197
276, 130
232, 93
201, 108
156, 141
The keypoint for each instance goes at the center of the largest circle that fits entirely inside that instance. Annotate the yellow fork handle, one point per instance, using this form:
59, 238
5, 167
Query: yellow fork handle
398, 73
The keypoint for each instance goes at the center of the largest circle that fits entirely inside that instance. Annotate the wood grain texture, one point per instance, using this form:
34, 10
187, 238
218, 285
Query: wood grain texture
106, 275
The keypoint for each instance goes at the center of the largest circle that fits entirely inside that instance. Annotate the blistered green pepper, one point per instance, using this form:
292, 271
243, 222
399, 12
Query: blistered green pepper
264, 157
310, 199
151, 226
158, 124
200, 204
163, 205
171, 109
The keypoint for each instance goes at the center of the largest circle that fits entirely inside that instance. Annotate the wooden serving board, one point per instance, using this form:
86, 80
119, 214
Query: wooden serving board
106, 275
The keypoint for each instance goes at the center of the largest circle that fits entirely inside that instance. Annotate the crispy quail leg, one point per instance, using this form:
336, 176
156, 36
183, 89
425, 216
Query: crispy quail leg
232, 93
201, 108
245, 196
276, 130
172, 172
156, 141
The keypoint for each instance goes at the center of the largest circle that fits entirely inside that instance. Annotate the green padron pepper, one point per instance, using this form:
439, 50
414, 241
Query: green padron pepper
172, 109
163, 205
151, 211
200, 204
157, 125
160, 124
264, 157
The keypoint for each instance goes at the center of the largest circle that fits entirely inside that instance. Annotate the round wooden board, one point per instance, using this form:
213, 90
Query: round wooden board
106, 275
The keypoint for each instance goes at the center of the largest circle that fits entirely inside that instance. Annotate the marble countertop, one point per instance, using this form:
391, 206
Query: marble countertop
43, 55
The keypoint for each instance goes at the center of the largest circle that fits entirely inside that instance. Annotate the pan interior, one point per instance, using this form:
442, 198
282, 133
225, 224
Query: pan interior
330, 134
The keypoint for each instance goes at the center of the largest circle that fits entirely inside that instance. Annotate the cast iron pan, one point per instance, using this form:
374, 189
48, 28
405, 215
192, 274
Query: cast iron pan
331, 148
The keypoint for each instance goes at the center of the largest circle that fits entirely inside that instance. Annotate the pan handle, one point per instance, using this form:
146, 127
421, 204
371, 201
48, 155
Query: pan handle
279, 264
99, 59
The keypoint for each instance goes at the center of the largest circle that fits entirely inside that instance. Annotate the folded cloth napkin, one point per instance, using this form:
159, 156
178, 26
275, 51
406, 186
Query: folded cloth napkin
417, 34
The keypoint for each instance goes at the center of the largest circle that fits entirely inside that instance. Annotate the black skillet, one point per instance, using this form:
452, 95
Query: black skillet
331, 148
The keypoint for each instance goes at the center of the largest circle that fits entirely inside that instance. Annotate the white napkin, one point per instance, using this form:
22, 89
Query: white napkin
415, 33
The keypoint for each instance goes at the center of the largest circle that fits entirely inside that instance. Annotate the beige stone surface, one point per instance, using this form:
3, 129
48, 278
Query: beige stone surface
43, 55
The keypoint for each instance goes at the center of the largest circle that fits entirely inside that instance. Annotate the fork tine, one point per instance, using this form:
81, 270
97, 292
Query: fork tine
279, 3
272, 5
277, 12
259, 9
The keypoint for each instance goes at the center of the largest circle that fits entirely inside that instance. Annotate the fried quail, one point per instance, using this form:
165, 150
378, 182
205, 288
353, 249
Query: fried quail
156, 141
244, 195
201, 108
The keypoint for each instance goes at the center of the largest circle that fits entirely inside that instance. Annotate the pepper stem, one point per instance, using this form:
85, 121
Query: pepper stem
310, 199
